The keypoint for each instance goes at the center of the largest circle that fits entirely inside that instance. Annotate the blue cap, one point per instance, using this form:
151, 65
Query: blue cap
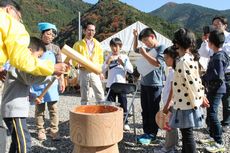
42, 26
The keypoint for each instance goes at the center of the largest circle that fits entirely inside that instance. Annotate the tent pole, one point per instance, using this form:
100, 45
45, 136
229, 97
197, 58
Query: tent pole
79, 25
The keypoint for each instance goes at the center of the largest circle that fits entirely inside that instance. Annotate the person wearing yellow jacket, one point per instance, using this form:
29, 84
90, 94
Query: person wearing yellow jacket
91, 49
14, 41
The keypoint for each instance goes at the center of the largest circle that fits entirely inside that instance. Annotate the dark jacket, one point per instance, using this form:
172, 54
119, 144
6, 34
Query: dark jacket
214, 77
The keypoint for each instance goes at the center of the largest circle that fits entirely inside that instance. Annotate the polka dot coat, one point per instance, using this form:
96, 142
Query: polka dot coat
187, 87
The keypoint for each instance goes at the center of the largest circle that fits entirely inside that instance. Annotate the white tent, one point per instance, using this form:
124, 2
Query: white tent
127, 38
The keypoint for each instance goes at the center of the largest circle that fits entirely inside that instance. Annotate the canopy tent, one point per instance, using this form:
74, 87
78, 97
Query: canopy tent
127, 38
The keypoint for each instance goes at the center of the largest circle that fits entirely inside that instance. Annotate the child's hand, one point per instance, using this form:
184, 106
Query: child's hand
38, 101
109, 60
205, 37
120, 61
205, 102
165, 110
2, 74
135, 32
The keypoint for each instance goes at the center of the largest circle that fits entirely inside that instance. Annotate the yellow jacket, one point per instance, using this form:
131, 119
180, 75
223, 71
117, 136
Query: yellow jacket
14, 42
97, 55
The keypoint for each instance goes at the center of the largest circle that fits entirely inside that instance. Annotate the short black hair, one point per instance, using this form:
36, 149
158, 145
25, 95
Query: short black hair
146, 33
85, 25
36, 44
115, 41
53, 31
217, 38
4, 3
208, 29
171, 51
222, 19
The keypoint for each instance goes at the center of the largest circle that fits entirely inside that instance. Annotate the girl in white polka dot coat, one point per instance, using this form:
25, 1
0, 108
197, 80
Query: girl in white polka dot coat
188, 91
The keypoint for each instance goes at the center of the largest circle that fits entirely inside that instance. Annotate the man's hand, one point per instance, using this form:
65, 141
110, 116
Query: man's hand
60, 68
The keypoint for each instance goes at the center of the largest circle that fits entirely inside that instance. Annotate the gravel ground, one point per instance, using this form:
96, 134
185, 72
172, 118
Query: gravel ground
127, 145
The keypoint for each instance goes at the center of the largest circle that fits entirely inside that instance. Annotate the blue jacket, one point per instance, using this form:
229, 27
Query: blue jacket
53, 93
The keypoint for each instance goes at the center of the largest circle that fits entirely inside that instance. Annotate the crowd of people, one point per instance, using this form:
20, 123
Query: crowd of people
28, 64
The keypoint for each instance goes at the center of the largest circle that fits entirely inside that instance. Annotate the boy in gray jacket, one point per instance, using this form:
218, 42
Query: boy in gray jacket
15, 100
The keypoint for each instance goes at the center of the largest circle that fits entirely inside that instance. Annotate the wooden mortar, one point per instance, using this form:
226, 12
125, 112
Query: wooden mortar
96, 128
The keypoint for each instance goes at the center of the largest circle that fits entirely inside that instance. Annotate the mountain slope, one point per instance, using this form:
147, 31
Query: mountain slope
188, 15
112, 16
59, 12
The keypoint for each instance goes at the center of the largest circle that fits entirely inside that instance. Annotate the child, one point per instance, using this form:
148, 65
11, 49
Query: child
188, 92
117, 65
151, 84
171, 139
2, 127
221, 23
214, 79
51, 98
15, 104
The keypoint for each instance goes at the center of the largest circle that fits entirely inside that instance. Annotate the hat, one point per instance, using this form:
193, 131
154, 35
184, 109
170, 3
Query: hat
162, 120
42, 26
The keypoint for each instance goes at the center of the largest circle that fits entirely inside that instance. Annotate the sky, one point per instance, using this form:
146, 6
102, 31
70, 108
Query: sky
150, 5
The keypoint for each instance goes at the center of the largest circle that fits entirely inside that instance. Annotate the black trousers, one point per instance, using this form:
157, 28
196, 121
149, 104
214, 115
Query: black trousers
122, 99
150, 104
189, 145
21, 140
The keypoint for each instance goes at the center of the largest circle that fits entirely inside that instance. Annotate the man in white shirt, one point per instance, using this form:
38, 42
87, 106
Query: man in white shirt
220, 22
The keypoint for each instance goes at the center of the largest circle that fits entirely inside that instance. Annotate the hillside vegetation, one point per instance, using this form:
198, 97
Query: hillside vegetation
188, 15
59, 12
112, 16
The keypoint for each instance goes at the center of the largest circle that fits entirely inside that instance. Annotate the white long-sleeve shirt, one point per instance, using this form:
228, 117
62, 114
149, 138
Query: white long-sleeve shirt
167, 86
117, 73
206, 52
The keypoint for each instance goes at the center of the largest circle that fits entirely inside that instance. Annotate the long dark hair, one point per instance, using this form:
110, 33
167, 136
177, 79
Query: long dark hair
187, 40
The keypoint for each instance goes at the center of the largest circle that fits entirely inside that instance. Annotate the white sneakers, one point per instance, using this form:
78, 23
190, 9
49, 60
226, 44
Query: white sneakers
215, 148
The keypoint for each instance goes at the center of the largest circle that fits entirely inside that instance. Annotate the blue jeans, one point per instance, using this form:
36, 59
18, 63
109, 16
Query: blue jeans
226, 104
212, 112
